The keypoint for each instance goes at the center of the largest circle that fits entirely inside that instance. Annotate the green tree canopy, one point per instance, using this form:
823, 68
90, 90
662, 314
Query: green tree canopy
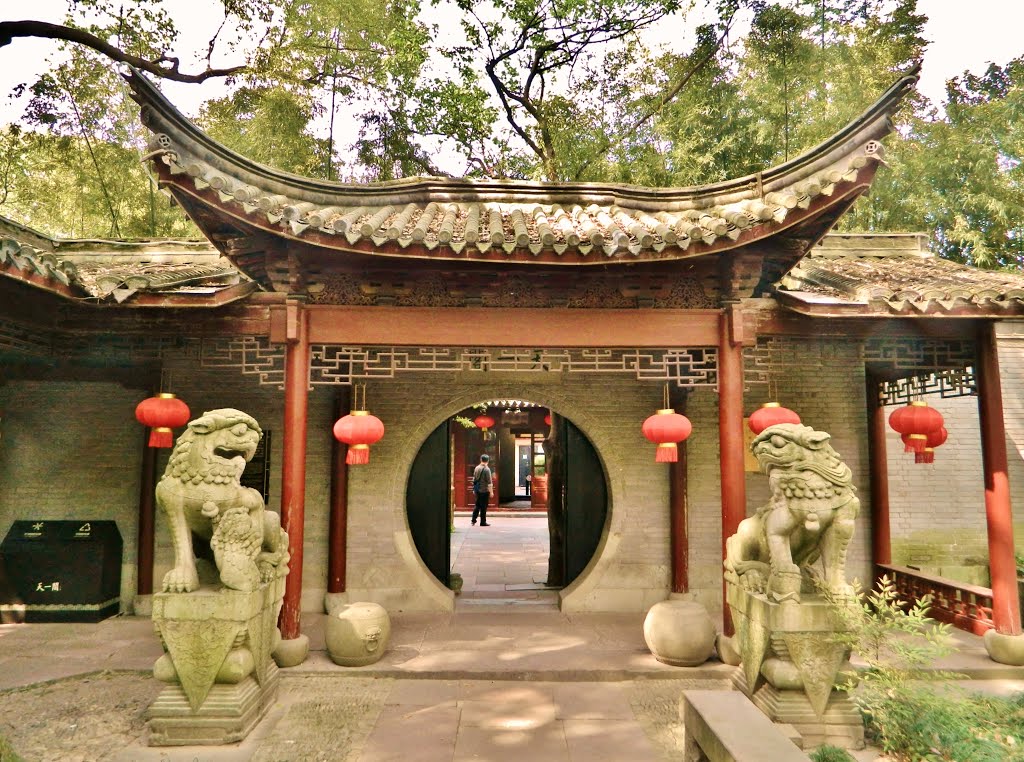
363, 90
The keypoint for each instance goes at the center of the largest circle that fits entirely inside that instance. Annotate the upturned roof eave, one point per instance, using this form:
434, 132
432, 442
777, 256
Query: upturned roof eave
818, 307
161, 116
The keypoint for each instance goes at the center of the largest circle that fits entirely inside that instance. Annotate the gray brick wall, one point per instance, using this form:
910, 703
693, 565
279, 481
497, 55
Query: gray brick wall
937, 511
828, 395
73, 451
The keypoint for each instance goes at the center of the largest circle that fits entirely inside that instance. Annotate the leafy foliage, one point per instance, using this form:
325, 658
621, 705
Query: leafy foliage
535, 89
828, 753
913, 711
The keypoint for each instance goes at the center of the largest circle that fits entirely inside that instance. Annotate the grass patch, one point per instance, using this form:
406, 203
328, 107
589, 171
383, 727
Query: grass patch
7, 753
829, 753
939, 724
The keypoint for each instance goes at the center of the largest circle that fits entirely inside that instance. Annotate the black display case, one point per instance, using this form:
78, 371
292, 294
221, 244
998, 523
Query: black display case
61, 571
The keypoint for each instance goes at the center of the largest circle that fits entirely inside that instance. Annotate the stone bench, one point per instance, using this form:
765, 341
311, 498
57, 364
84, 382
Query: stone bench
725, 726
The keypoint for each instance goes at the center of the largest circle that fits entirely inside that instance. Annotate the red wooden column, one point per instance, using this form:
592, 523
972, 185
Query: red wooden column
293, 462
147, 518
878, 463
460, 490
730, 432
1005, 604
678, 506
337, 532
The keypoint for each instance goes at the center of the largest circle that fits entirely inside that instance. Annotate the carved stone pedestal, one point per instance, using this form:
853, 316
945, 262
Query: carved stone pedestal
791, 663
222, 678
227, 715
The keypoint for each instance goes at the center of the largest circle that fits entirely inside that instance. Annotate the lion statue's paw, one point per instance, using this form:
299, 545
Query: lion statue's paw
238, 572
179, 580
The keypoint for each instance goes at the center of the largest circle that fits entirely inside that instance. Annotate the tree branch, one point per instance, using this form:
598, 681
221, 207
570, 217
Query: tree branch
664, 100
9, 30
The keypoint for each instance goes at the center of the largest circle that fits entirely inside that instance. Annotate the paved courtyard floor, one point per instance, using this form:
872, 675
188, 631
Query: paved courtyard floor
506, 676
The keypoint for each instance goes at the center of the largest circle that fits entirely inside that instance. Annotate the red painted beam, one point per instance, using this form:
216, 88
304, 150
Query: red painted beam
489, 327
998, 511
730, 434
293, 462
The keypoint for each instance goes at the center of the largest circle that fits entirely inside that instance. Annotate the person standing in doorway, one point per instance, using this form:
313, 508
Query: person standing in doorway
482, 488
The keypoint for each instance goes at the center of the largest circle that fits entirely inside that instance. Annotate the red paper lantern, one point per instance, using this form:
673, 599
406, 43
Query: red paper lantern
915, 421
358, 430
769, 414
162, 413
665, 428
935, 439
547, 419
484, 422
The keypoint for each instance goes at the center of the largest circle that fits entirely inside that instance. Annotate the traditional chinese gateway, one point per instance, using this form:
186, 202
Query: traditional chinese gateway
425, 299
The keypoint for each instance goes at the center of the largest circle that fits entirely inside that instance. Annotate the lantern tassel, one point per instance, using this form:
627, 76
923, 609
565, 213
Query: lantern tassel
161, 437
667, 452
916, 443
358, 455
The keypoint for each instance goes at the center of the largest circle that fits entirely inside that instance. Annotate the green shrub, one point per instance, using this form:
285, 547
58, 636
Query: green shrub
828, 753
913, 712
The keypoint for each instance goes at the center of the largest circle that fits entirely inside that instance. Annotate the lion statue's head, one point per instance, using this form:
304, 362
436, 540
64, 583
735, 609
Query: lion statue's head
794, 447
215, 448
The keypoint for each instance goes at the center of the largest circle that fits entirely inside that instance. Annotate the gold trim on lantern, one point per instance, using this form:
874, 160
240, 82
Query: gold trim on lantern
664, 411
918, 403
668, 445
359, 447
166, 396
360, 412
163, 430
771, 404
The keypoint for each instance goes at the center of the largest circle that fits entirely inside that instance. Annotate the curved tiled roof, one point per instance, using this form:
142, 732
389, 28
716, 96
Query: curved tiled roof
38, 267
99, 271
557, 223
895, 275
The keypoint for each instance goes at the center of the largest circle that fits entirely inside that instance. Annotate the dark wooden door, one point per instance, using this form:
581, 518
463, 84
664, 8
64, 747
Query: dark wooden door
586, 501
426, 502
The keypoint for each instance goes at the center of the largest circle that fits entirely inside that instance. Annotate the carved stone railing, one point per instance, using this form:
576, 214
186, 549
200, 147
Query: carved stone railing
966, 607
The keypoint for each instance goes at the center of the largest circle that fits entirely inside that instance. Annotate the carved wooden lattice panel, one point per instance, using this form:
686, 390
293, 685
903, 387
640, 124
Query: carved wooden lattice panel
250, 355
946, 384
337, 364
925, 367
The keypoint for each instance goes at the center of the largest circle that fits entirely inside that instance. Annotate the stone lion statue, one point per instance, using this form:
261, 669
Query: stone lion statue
202, 495
810, 516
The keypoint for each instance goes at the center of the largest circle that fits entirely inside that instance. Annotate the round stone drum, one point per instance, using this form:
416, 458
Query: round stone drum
679, 633
357, 634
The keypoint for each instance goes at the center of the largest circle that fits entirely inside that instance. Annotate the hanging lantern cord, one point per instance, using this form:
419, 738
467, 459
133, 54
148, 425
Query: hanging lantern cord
665, 406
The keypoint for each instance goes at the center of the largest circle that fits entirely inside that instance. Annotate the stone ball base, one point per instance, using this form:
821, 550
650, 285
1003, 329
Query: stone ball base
1005, 649
358, 634
679, 633
291, 652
